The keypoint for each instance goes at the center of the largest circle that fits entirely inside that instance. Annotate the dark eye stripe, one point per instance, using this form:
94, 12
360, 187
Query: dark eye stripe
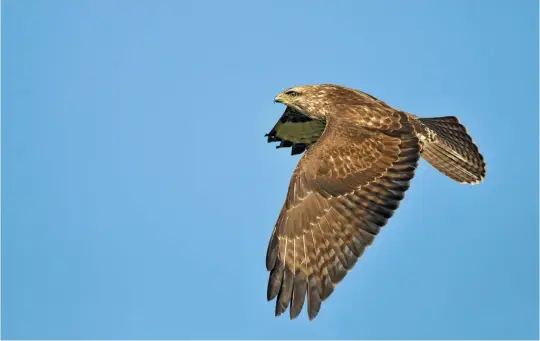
292, 93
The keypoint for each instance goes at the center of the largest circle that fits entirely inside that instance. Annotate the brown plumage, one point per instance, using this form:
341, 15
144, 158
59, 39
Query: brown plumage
360, 155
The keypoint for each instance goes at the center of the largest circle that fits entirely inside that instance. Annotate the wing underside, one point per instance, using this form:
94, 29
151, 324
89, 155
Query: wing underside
296, 131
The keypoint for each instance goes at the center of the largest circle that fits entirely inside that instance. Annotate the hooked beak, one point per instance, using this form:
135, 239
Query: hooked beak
278, 99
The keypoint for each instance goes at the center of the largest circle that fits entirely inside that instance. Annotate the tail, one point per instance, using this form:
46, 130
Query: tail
449, 148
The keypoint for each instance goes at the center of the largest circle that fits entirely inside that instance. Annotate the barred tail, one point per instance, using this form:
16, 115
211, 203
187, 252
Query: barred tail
453, 151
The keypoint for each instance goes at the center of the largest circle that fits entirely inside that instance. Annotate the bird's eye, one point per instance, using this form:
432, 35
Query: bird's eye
292, 93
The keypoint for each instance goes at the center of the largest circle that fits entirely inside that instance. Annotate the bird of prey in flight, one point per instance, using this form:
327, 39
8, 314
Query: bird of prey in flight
360, 154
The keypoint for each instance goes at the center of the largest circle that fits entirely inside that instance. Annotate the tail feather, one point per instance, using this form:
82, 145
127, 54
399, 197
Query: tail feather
452, 151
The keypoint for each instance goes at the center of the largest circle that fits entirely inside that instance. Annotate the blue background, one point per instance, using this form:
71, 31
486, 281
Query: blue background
139, 193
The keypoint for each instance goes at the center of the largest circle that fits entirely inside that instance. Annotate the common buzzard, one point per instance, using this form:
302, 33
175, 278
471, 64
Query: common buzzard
360, 155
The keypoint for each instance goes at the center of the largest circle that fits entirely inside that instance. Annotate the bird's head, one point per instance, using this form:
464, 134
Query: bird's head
314, 101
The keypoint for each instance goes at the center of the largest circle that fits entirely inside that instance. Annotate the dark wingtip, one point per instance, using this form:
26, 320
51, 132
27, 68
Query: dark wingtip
274, 281
298, 295
298, 148
314, 300
271, 136
285, 293
312, 315
271, 252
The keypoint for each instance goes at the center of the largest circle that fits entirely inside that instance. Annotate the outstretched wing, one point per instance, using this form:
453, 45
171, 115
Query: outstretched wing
342, 192
295, 130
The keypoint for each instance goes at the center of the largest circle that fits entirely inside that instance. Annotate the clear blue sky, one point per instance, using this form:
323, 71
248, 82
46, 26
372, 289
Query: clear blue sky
139, 193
